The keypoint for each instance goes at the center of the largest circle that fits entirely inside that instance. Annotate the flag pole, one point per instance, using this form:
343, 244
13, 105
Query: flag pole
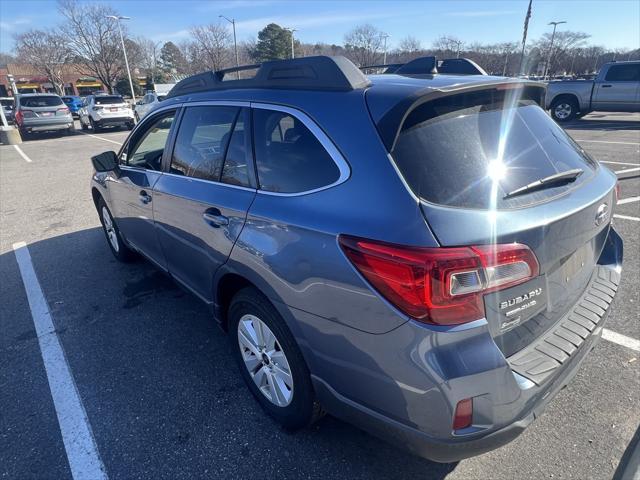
524, 36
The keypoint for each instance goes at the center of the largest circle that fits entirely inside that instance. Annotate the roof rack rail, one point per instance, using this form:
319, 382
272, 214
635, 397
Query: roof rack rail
429, 66
304, 73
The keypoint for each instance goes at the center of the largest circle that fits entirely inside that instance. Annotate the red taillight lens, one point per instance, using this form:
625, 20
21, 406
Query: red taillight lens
463, 416
62, 111
442, 286
25, 114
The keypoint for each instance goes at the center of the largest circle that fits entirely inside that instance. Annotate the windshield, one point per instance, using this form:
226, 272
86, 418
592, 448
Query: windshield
109, 100
471, 152
40, 101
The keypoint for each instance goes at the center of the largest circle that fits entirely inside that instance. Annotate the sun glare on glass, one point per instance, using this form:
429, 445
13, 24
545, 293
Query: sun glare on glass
496, 170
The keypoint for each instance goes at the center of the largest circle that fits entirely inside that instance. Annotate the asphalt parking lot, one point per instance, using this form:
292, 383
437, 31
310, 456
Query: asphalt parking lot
159, 388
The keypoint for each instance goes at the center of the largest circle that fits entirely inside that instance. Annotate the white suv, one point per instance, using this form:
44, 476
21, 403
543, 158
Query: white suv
147, 103
99, 111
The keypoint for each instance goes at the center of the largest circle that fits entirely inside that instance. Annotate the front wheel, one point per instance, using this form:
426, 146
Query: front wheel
114, 239
564, 109
270, 361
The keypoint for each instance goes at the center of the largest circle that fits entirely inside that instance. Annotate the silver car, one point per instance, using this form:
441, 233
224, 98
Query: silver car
39, 112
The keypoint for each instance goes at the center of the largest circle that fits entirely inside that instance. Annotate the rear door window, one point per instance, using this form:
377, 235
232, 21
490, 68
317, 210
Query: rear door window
41, 101
471, 150
623, 73
289, 157
202, 141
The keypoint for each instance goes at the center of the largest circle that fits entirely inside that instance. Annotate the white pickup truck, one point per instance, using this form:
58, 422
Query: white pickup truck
616, 88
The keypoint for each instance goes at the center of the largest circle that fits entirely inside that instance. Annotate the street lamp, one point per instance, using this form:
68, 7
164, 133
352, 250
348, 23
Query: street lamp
553, 35
458, 44
384, 58
232, 21
117, 18
291, 30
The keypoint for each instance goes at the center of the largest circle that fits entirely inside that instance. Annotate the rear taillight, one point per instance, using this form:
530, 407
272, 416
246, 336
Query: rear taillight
62, 111
25, 114
442, 286
463, 416
95, 109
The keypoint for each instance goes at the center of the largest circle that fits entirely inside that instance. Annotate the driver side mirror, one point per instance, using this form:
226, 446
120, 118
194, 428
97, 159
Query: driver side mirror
105, 162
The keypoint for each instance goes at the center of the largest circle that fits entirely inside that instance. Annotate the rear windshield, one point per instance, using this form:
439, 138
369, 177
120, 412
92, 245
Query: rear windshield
44, 101
6, 102
471, 150
109, 100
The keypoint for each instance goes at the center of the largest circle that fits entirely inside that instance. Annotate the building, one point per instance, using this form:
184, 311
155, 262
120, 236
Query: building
29, 80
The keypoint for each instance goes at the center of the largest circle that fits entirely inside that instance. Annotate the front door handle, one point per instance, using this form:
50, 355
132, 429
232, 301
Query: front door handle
606, 86
214, 218
145, 197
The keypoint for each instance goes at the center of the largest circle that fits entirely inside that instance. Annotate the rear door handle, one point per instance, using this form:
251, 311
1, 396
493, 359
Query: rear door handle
214, 218
606, 86
145, 197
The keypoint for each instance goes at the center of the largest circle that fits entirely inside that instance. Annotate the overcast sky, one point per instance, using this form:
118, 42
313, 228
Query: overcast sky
611, 23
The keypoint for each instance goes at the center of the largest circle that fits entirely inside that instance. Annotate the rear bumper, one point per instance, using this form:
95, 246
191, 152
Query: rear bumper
47, 124
404, 385
113, 121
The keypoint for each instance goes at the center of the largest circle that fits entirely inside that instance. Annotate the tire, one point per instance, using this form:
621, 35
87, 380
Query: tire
23, 133
119, 249
94, 126
130, 125
84, 126
564, 109
281, 355
72, 129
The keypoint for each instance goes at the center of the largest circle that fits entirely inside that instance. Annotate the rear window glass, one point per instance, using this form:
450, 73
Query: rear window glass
6, 102
471, 150
108, 100
35, 102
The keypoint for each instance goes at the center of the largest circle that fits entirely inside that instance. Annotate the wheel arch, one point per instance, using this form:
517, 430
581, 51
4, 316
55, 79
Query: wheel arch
568, 96
96, 195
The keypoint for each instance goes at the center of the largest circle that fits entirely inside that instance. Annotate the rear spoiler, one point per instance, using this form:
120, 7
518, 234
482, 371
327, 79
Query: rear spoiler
429, 66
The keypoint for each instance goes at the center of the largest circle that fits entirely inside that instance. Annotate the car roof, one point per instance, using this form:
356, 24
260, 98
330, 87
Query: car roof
38, 95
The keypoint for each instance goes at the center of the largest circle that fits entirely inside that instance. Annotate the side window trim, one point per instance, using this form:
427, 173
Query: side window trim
320, 135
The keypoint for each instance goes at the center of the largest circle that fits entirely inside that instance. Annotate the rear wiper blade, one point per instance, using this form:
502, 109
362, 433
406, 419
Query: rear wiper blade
562, 177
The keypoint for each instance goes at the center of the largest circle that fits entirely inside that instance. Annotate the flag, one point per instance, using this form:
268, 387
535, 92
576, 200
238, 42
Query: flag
526, 24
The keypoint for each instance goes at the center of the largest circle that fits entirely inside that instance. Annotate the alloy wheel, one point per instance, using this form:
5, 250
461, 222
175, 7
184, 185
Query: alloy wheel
265, 360
563, 110
110, 229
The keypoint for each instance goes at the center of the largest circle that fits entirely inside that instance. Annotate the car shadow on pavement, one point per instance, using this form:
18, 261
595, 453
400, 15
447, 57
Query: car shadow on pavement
160, 387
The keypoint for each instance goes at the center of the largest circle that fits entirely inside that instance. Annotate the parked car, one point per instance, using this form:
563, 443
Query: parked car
73, 102
99, 111
8, 107
39, 112
380, 248
147, 103
616, 88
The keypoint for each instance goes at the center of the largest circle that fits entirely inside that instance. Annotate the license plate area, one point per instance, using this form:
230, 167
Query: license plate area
113, 109
46, 114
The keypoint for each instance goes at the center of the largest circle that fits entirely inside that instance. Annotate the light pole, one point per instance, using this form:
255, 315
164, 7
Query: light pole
232, 21
553, 35
291, 30
458, 43
384, 59
117, 18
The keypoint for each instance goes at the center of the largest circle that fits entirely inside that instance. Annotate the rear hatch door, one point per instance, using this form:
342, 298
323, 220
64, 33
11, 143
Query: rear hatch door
467, 158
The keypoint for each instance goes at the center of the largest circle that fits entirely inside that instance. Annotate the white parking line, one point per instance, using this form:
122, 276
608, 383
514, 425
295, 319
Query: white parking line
619, 163
100, 138
603, 141
628, 170
628, 200
626, 217
22, 154
620, 339
82, 451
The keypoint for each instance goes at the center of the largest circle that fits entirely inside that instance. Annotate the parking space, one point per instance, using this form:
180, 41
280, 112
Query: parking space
162, 395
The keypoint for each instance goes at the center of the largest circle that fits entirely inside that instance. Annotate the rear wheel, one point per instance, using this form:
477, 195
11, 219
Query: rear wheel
94, 126
114, 239
564, 109
72, 129
83, 125
270, 361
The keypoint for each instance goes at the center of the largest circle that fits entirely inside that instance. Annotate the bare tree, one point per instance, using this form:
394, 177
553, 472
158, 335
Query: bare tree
47, 51
563, 43
448, 45
212, 42
363, 43
149, 56
93, 39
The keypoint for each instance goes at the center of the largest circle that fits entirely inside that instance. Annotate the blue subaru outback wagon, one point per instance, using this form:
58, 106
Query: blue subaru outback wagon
427, 256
